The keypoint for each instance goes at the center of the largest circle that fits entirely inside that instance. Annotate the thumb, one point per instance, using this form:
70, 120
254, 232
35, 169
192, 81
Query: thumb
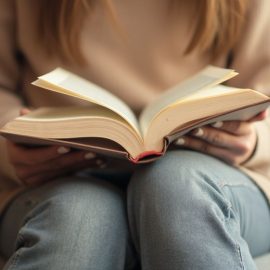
259, 117
24, 111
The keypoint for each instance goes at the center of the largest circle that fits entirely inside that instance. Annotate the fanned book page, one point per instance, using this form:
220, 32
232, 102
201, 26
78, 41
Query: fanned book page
205, 79
67, 83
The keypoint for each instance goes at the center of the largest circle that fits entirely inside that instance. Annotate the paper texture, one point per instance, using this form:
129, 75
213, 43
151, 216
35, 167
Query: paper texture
208, 77
62, 81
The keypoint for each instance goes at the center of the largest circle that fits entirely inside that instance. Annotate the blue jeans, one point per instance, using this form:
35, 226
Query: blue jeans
184, 211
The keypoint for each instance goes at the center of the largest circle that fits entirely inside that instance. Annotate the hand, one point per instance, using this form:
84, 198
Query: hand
40, 164
232, 141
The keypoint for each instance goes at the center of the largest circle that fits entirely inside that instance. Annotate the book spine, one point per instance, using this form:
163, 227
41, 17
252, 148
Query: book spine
146, 157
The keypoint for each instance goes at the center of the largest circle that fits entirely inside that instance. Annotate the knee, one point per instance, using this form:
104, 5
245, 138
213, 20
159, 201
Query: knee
76, 223
79, 208
180, 176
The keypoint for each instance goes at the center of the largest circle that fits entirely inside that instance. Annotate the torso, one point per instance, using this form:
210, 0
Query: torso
140, 58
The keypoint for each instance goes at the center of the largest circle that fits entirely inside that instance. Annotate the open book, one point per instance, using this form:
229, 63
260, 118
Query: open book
109, 126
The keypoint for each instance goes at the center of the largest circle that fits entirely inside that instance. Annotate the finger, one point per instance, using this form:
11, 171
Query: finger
221, 139
259, 117
233, 127
24, 111
21, 155
207, 148
59, 163
41, 178
239, 127
50, 175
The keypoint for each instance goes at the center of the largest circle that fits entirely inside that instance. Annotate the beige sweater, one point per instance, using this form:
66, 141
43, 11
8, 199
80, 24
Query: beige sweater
136, 69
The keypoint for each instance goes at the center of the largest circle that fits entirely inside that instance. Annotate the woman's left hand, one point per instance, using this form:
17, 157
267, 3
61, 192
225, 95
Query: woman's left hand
232, 141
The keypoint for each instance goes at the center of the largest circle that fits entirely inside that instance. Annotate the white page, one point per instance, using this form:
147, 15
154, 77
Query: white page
208, 77
71, 84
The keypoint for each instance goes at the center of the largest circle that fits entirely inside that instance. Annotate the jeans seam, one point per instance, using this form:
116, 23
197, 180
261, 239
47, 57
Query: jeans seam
240, 256
224, 184
236, 247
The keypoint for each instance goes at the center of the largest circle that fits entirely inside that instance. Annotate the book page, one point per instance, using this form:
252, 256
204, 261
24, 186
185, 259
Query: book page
49, 114
74, 122
208, 77
64, 82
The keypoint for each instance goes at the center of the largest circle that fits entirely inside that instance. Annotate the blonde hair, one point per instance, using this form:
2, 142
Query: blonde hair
217, 28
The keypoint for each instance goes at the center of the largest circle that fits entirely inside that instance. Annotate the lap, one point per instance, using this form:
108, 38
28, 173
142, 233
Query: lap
178, 174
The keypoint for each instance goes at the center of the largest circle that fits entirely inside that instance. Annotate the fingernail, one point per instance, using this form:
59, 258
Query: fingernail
198, 132
89, 155
100, 163
218, 124
180, 141
63, 150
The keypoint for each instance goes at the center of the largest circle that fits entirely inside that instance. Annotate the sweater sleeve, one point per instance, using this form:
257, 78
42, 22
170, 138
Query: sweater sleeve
251, 58
10, 101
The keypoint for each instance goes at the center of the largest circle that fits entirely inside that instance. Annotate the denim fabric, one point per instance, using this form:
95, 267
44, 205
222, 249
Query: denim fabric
192, 211
185, 211
68, 224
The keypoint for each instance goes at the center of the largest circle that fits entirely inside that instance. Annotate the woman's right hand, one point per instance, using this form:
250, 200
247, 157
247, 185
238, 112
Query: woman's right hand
40, 164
